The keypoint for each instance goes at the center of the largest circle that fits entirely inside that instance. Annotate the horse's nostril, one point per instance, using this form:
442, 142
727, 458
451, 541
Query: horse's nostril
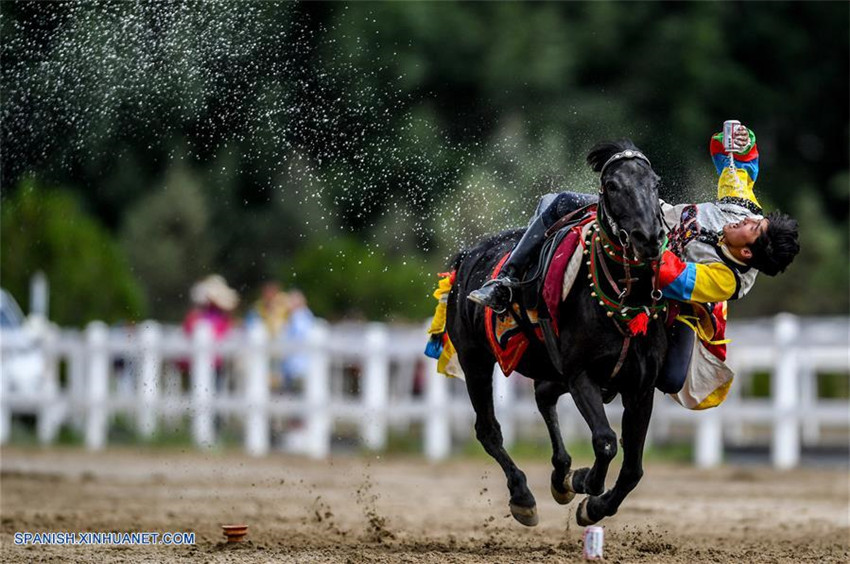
648, 246
638, 236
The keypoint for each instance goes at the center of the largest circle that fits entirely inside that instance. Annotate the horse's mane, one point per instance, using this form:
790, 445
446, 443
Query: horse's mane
490, 247
601, 152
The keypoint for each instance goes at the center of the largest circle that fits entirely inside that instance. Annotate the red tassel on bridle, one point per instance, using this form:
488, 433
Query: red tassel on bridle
638, 324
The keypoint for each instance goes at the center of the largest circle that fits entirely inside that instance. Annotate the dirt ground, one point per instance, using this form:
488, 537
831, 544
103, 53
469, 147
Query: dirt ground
355, 510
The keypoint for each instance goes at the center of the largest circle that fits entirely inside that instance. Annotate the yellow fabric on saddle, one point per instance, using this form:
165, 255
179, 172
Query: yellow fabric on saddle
447, 364
438, 323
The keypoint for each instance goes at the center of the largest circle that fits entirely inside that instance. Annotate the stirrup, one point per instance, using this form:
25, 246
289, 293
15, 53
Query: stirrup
507, 283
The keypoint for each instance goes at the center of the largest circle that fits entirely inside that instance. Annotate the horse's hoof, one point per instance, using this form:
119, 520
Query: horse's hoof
566, 496
568, 482
525, 515
582, 517
561, 498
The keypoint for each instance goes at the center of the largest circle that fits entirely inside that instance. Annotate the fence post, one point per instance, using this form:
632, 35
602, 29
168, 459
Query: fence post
376, 381
785, 449
5, 414
503, 400
203, 384
97, 338
808, 403
150, 360
50, 413
735, 427
708, 451
437, 431
148, 384
77, 370
317, 392
257, 391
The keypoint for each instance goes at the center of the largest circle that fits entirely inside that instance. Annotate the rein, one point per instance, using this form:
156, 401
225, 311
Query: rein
630, 321
616, 307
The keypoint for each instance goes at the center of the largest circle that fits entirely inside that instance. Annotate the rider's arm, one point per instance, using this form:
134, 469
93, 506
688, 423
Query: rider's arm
738, 183
696, 282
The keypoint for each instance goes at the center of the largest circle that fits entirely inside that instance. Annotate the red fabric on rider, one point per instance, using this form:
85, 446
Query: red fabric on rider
670, 269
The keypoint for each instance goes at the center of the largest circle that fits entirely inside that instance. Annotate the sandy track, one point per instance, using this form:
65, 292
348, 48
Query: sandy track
404, 510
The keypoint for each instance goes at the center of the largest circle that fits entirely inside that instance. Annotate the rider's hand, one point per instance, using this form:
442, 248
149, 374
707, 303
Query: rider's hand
742, 137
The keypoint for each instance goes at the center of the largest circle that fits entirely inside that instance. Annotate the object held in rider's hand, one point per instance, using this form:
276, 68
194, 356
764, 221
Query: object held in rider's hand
730, 126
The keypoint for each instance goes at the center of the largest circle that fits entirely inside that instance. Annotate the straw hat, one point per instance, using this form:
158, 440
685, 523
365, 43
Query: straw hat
214, 290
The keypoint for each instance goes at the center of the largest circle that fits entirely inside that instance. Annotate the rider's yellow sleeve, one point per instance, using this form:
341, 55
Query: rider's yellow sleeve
696, 282
715, 282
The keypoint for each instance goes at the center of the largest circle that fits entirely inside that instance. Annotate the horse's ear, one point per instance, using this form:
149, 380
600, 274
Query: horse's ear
599, 155
601, 152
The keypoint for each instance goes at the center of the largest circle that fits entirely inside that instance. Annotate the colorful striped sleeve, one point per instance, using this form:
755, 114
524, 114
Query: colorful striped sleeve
696, 282
740, 183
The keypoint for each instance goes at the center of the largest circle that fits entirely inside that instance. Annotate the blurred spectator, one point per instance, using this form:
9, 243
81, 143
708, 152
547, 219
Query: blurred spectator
272, 309
301, 321
213, 302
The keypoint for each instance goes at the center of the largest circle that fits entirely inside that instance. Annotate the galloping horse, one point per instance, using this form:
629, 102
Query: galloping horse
599, 354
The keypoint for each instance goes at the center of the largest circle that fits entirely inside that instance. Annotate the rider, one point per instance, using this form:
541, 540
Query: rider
717, 247
725, 244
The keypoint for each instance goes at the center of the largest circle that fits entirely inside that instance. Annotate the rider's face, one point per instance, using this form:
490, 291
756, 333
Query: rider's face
739, 236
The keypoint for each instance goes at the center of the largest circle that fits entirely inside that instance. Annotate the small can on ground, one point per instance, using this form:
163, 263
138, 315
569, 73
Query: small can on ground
593, 538
235, 533
730, 126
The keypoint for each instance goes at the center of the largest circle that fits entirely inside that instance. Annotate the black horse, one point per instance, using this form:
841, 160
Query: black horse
600, 356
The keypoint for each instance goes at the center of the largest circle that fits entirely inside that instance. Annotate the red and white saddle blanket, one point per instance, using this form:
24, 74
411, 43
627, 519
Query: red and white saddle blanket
507, 339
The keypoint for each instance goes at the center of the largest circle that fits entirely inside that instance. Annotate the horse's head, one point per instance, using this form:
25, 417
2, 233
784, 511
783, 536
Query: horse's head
628, 197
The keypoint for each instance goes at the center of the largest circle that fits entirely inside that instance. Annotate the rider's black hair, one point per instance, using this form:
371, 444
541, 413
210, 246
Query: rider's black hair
777, 246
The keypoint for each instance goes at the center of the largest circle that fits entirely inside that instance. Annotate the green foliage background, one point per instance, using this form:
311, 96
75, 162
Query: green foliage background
85, 266
351, 148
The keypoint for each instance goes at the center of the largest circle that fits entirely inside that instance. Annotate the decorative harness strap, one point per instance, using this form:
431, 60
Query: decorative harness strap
600, 246
616, 308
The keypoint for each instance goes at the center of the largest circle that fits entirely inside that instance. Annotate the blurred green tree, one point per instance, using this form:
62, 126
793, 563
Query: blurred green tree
167, 237
399, 113
47, 230
344, 278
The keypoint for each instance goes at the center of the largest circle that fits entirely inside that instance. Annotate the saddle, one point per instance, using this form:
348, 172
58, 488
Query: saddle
533, 315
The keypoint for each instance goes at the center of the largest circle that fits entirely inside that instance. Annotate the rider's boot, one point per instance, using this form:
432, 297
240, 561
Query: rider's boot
497, 294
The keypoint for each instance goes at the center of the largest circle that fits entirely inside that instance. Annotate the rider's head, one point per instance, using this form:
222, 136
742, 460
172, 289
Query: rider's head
767, 244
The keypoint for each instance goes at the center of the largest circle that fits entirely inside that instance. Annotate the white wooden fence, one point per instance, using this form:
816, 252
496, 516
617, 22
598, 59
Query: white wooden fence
90, 376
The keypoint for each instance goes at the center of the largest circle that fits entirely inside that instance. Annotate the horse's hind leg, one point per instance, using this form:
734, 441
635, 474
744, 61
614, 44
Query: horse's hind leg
479, 383
547, 394
588, 399
636, 415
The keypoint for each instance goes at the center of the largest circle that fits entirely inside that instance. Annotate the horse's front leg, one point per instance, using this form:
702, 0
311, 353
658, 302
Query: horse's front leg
636, 414
547, 394
479, 384
588, 399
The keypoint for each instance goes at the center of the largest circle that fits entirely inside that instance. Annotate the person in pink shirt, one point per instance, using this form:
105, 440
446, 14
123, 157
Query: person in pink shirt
214, 302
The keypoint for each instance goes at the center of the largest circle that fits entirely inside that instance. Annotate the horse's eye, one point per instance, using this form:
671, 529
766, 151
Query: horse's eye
610, 185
